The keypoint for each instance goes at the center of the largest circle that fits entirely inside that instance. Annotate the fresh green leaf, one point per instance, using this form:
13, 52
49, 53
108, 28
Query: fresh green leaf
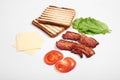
90, 26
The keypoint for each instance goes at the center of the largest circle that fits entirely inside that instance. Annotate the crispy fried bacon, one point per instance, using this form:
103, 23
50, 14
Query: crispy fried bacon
79, 48
65, 45
71, 36
75, 48
87, 41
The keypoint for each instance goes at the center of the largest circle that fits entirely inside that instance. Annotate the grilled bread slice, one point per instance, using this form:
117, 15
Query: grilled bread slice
51, 30
57, 16
54, 20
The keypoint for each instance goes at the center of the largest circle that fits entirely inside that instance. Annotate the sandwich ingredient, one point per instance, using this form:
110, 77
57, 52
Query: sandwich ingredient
28, 42
31, 51
75, 48
54, 20
90, 26
65, 65
65, 45
52, 57
57, 16
51, 30
83, 39
55, 57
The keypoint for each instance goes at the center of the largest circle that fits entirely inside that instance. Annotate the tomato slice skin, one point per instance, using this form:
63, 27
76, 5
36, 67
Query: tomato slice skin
52, 57
65, 65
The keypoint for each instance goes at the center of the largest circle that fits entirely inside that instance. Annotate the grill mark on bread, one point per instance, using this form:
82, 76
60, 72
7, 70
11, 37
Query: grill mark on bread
56, 19
57, 16
63, 11
51, 30
59, 28
59, 19
62, 18
61, 8
46, 27
50, 21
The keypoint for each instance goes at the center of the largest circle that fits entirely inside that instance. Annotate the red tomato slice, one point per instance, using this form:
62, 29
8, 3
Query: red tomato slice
52, 57
65, 65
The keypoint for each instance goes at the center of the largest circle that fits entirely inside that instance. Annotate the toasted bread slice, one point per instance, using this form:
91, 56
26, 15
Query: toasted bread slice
57, 16
54, 20
51, 30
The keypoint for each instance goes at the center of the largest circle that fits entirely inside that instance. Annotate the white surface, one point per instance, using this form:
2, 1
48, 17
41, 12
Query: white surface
16, 17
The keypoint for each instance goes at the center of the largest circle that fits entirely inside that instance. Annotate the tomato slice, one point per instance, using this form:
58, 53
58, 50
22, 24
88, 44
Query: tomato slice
52, 57
65, 65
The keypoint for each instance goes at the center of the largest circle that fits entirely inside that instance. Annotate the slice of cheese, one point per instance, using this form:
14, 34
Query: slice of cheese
29, 41
31, 51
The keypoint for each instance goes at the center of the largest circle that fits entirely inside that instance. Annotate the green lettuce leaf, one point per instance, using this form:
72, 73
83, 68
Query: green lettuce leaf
90, 26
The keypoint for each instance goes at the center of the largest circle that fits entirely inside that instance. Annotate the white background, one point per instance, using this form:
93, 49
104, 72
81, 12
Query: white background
16, 16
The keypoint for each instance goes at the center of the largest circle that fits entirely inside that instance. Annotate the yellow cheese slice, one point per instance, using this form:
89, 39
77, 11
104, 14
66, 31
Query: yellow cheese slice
28, 41
31, 51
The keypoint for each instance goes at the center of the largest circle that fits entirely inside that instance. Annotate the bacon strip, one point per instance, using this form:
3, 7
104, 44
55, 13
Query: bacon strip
75, 48
79, 48
87, 41
65, 45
